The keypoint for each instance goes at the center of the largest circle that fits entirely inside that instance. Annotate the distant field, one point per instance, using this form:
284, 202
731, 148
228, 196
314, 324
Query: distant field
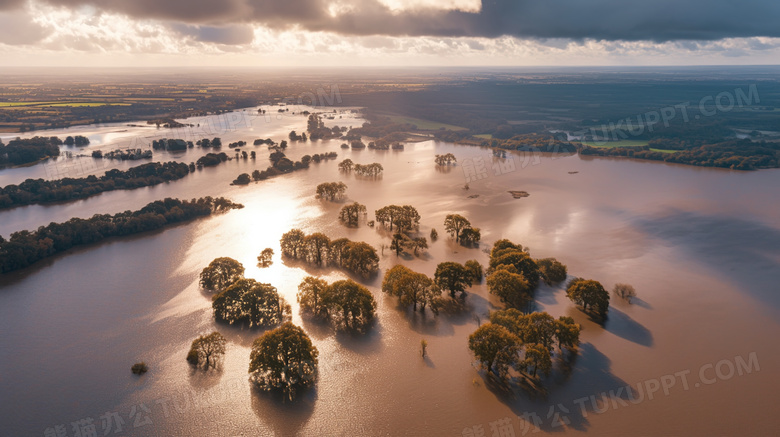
625, 143
485, 136
621, 143
58, 104
424, 124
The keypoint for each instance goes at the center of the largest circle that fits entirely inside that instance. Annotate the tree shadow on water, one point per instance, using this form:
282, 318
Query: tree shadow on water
574, 390
622, 325
286, 417
745, 251
202, 379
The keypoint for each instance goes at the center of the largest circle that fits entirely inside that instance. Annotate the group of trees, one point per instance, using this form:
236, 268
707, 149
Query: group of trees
331, 190
345, 304
242, 300
524, 342
41, 191
281, 165
295, 137
318, 131
513, 275
317, 249
26, 247
446, 159
252, 303
403, 218
412, 288
78, 141
24, 151
373, 169
212, 159
350, 214
734, 154
206, 143
173, 145
459, 227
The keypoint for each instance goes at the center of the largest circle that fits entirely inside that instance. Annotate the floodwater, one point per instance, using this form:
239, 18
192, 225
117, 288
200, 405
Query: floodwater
701, 246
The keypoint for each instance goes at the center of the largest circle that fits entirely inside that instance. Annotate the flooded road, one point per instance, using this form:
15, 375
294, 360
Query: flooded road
700, 245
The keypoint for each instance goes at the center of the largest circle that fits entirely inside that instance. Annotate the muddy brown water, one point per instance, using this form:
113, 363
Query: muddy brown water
701, 246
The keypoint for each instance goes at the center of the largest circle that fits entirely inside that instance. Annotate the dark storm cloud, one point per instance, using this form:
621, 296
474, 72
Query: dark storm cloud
233, 35
658, 20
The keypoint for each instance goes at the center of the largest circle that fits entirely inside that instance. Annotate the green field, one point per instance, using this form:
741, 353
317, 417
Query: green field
484, 136
424, 124
58, 104
621, 143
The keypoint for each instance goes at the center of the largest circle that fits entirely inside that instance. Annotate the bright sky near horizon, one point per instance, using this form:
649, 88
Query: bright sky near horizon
257, 33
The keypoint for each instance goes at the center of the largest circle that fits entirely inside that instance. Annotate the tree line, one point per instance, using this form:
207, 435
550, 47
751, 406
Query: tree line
27, 150
318, 250
345, 304
280, 164
40, 191
24, 248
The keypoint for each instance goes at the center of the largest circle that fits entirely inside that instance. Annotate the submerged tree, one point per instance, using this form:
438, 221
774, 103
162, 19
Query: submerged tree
590, 295
251, 302
446, 159
551, 270
475, 269
220, 273
350, 305
310, 293
207, 350
624, 291
509, 286
350, 214
412, 288
495, 347
454, 224
284, 359
266, 257
331, 190
452, 277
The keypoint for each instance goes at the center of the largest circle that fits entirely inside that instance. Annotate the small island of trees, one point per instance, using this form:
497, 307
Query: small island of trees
251, 303
207, 350
523, 342
345, 304
284, 360
24, 248
39, 191
317, 249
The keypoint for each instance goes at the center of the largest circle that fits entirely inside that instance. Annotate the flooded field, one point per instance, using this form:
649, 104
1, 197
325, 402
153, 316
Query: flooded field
701, 246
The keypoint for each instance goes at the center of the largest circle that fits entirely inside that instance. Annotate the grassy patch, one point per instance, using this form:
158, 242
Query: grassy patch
485, 136
424, 124
621, 143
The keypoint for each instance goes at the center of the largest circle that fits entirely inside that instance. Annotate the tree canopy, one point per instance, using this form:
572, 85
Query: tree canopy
452, 277
551, 270
349, 305
317, 249
207, 350
525, 342
590, 295
285, 360
412, 288
350, 214
331, 190
250, 302
220, 273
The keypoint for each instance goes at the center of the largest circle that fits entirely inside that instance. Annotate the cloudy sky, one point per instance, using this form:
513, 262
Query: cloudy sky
388, 32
